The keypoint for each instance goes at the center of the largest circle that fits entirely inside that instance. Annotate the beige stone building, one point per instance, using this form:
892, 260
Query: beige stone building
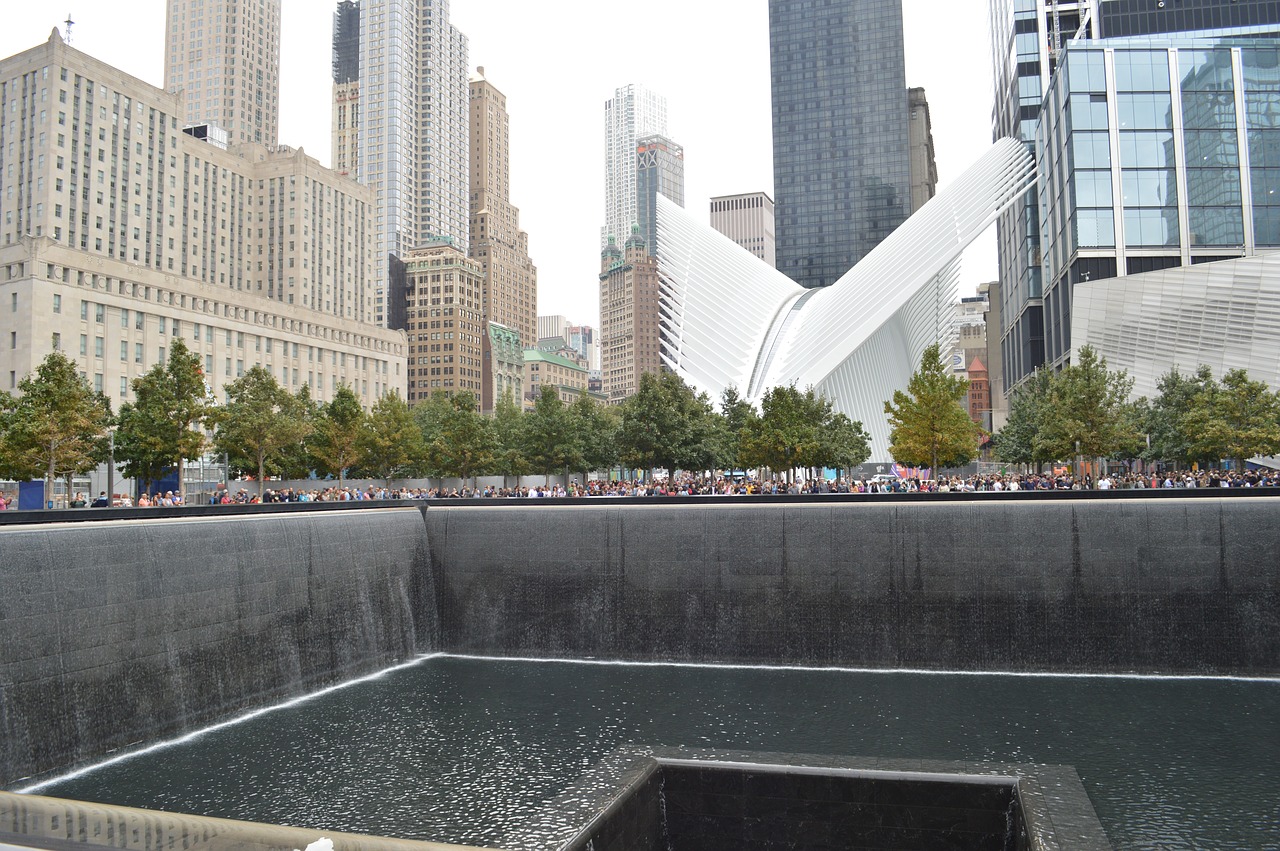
924, 169
445, 321
747, 219
108, 203
551, 370
510, 278
629, 331
224, 56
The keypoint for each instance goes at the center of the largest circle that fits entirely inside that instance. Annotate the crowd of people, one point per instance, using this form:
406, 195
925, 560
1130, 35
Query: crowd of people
695, 485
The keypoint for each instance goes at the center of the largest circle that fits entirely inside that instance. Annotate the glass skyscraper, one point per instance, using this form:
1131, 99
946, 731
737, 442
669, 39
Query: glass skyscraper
1155, 153
1030, 39
841, 165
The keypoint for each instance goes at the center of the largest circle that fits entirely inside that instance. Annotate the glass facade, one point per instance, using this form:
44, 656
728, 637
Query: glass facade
1151, 157
840, 132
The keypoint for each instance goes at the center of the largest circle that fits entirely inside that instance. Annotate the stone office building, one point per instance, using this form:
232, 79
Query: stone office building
120, 231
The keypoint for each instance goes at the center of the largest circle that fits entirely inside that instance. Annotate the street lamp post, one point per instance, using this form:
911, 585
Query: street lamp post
111, 468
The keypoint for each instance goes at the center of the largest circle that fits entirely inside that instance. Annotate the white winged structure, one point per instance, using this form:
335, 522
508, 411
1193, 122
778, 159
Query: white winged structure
730, 320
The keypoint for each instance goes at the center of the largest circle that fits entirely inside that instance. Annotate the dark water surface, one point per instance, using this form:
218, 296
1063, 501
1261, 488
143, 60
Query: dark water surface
463, 750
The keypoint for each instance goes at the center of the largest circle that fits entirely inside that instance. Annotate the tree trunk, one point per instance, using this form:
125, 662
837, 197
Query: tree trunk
262, 462
182, 479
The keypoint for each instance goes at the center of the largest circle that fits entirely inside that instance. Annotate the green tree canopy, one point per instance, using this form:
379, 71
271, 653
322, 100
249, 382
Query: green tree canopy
596, 429
927, 424
550, 444
1167, 417
1237, 420
462, 442
335, 442
390, 442
666, 424
787, 434
1022, 439
56, 426
508, 431
736, 414
260, 421
1089, 407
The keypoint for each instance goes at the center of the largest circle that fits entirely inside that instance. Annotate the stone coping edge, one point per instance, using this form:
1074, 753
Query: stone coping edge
28, 820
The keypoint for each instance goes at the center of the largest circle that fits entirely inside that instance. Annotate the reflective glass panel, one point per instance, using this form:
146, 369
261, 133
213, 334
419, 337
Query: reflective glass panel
1266, 225
1213, 187
1151, 227
1092, 188
1087, 112
1262, 109
1085, 71
1209, 110
1090, 150
1216, 225
1146, 111
1264, 148
1205, 70
1266, 186
1149, 188
1142, 71
1211, 148
1146, 149
1094, 229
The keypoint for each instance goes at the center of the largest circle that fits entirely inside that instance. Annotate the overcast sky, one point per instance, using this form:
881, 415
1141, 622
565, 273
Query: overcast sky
557, 62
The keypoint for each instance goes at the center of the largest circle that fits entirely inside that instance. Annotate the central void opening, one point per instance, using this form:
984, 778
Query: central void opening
463, 750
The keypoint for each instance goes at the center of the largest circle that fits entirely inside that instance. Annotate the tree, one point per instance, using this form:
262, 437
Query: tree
736, 414
1167, 417
596, 429
57, 426
1089, 411
548, 433
845, 443
295, 461
927, 424
787, 434
1021, 441
260, 421
508, 431
463, 442
335, 442
665, 424
1238, 420
164, 426
390, 442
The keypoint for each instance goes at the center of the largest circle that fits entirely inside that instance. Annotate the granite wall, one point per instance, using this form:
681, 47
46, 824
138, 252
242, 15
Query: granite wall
1151, 585
114, 633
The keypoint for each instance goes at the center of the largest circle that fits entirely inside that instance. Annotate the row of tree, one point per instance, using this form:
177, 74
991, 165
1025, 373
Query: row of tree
58, 427
1085, 410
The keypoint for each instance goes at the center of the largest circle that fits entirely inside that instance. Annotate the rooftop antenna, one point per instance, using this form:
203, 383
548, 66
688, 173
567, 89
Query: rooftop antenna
68, 22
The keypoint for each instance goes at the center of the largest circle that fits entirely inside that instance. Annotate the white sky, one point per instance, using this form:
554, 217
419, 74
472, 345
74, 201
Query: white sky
557, 63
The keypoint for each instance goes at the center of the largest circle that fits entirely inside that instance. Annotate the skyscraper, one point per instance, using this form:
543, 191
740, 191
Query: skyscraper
659, 171
225, 58
747, 220
510, 278
840, 139
410, 124
1105, 233
631, 114
629, 337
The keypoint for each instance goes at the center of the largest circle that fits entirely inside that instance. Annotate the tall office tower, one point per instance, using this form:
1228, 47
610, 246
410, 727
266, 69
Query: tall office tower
225, 58
346, 87
553, 326
631, 114
747, 220
510, 278
126, 231
924, 168
1029, 38
582, 338
445, 320
659, 171
629, 336
841, 177
410, 126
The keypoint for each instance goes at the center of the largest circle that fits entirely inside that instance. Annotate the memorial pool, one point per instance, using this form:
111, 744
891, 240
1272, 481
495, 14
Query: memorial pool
466, 750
